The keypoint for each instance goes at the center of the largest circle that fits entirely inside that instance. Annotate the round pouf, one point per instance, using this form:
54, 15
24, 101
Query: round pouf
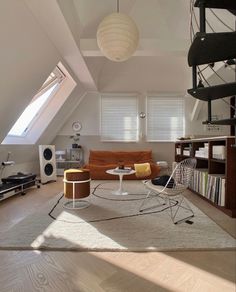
76, 187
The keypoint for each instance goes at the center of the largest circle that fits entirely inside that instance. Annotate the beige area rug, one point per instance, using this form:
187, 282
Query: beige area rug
113, 223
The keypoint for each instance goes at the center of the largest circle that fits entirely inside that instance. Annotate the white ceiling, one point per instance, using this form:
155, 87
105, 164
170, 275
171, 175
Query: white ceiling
164, 28
162, 19
164, 32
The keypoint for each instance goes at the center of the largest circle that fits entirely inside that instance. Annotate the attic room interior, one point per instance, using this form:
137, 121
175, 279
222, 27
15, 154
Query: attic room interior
118, 149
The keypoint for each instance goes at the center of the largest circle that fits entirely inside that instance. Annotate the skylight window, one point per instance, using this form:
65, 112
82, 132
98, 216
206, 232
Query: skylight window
42, 108
22, 124
39, 101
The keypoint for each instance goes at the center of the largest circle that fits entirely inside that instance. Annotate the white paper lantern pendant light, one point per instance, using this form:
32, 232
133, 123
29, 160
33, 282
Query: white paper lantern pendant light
117, 36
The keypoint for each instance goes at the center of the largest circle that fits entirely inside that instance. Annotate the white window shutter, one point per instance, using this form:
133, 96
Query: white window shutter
165, 118
119, 118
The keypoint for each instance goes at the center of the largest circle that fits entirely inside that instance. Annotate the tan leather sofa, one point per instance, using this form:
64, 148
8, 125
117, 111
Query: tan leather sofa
100, 161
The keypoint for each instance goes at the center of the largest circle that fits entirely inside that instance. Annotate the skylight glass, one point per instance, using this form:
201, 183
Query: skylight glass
31, 111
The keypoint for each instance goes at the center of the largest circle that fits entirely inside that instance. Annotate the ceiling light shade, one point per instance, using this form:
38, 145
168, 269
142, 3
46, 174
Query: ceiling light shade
117, 37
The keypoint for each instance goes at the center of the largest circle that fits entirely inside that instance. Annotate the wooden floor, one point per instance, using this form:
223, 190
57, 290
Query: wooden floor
27, 271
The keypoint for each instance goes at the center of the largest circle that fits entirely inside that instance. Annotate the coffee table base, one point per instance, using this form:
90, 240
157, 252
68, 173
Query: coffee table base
119, 193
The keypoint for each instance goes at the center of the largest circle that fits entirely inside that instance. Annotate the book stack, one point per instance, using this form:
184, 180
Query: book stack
218, 152
178, 151
123, 170
186, 151
202, 152
210, 186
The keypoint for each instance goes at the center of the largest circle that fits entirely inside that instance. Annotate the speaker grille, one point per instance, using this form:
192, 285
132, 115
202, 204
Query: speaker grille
47, 154
48, 169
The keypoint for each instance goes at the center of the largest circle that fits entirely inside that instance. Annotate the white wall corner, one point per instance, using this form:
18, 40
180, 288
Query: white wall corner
196, 109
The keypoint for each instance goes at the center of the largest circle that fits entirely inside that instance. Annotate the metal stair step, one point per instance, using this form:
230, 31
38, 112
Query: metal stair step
231, 122
212, 47
223, 4
214, 92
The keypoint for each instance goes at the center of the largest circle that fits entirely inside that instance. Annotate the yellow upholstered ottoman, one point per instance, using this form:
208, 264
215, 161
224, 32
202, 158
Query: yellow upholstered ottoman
76, 187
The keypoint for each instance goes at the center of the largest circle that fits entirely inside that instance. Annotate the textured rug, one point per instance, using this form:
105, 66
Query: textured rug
113, 223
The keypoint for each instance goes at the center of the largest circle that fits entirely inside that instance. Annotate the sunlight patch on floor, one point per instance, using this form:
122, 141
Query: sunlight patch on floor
168, 272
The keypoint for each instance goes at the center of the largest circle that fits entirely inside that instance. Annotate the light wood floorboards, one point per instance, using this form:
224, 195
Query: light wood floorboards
27, 271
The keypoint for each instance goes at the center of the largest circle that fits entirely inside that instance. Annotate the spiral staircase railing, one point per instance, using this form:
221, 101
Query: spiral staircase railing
206, 50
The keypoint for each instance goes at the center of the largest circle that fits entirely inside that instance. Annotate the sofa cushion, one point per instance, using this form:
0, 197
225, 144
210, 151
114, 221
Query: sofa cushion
142, 169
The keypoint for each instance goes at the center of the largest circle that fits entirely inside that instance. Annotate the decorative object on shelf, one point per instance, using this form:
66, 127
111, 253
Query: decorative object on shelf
75, 138
186, 138
121, 165
76, 126
60, 154
214, 128
117, 36
76, 154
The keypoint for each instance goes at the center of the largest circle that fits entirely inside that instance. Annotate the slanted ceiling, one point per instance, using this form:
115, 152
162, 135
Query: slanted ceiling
36, 35
27, 58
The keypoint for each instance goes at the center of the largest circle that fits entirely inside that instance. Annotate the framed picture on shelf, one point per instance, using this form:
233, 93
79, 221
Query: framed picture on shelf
76, 154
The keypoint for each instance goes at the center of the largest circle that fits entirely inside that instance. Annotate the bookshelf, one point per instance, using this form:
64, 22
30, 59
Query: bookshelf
215, 176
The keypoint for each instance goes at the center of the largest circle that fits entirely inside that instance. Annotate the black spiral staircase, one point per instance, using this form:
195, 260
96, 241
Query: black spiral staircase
207, 48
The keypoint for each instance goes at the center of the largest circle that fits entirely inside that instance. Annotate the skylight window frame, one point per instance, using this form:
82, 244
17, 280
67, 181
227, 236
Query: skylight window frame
58, 78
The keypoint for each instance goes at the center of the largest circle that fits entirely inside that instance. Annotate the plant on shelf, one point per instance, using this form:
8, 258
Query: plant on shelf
75, 138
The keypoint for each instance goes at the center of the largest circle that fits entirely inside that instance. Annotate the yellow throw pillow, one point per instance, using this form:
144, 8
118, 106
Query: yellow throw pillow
142, 169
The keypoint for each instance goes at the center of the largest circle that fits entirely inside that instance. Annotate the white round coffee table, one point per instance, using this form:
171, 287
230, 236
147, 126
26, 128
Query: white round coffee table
121, 174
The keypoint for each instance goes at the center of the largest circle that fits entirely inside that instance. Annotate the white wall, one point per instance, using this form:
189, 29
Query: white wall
27, 57
160, 73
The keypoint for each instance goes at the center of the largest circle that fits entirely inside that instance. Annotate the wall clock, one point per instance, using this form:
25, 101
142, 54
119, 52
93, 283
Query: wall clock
76, 126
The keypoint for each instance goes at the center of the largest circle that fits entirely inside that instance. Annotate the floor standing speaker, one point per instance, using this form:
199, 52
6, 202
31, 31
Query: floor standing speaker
47, 160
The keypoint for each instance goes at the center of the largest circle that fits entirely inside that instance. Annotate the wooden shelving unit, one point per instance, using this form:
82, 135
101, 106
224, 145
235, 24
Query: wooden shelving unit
226, 167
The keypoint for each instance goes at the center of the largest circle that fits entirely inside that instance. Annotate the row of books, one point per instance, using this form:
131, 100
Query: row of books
210, 186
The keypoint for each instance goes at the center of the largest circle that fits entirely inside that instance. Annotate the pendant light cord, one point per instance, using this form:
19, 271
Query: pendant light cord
118, 6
